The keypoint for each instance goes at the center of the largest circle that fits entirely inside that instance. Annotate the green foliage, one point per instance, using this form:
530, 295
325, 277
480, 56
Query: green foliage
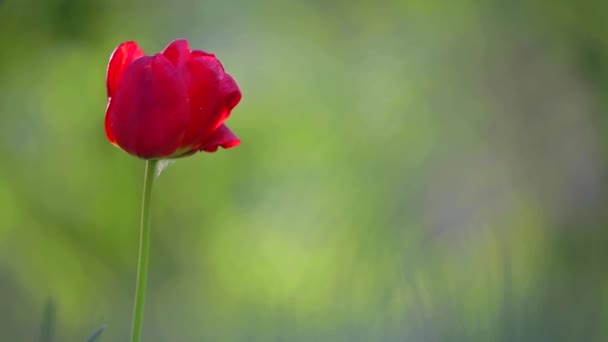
425, 171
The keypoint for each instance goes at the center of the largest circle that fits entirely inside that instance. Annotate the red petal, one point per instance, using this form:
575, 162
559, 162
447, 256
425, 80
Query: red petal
120, 59
178, 51
231, 92
109, 133
213, 94
221, 137
200, 53
149, 112
203, 79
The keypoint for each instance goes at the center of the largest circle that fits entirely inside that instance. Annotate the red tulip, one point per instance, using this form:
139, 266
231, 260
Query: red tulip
168, 105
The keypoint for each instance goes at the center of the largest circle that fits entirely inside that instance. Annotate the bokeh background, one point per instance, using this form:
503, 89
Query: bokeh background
409, 171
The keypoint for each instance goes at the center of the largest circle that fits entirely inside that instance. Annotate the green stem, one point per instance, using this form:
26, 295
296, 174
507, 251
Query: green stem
144, 251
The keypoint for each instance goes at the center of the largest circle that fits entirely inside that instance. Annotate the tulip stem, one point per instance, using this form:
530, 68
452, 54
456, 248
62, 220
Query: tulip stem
144, 251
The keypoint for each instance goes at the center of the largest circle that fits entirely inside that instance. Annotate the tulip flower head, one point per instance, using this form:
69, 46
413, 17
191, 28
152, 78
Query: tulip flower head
168, 105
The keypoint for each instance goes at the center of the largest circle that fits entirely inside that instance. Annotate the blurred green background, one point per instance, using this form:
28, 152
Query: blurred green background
409, 171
